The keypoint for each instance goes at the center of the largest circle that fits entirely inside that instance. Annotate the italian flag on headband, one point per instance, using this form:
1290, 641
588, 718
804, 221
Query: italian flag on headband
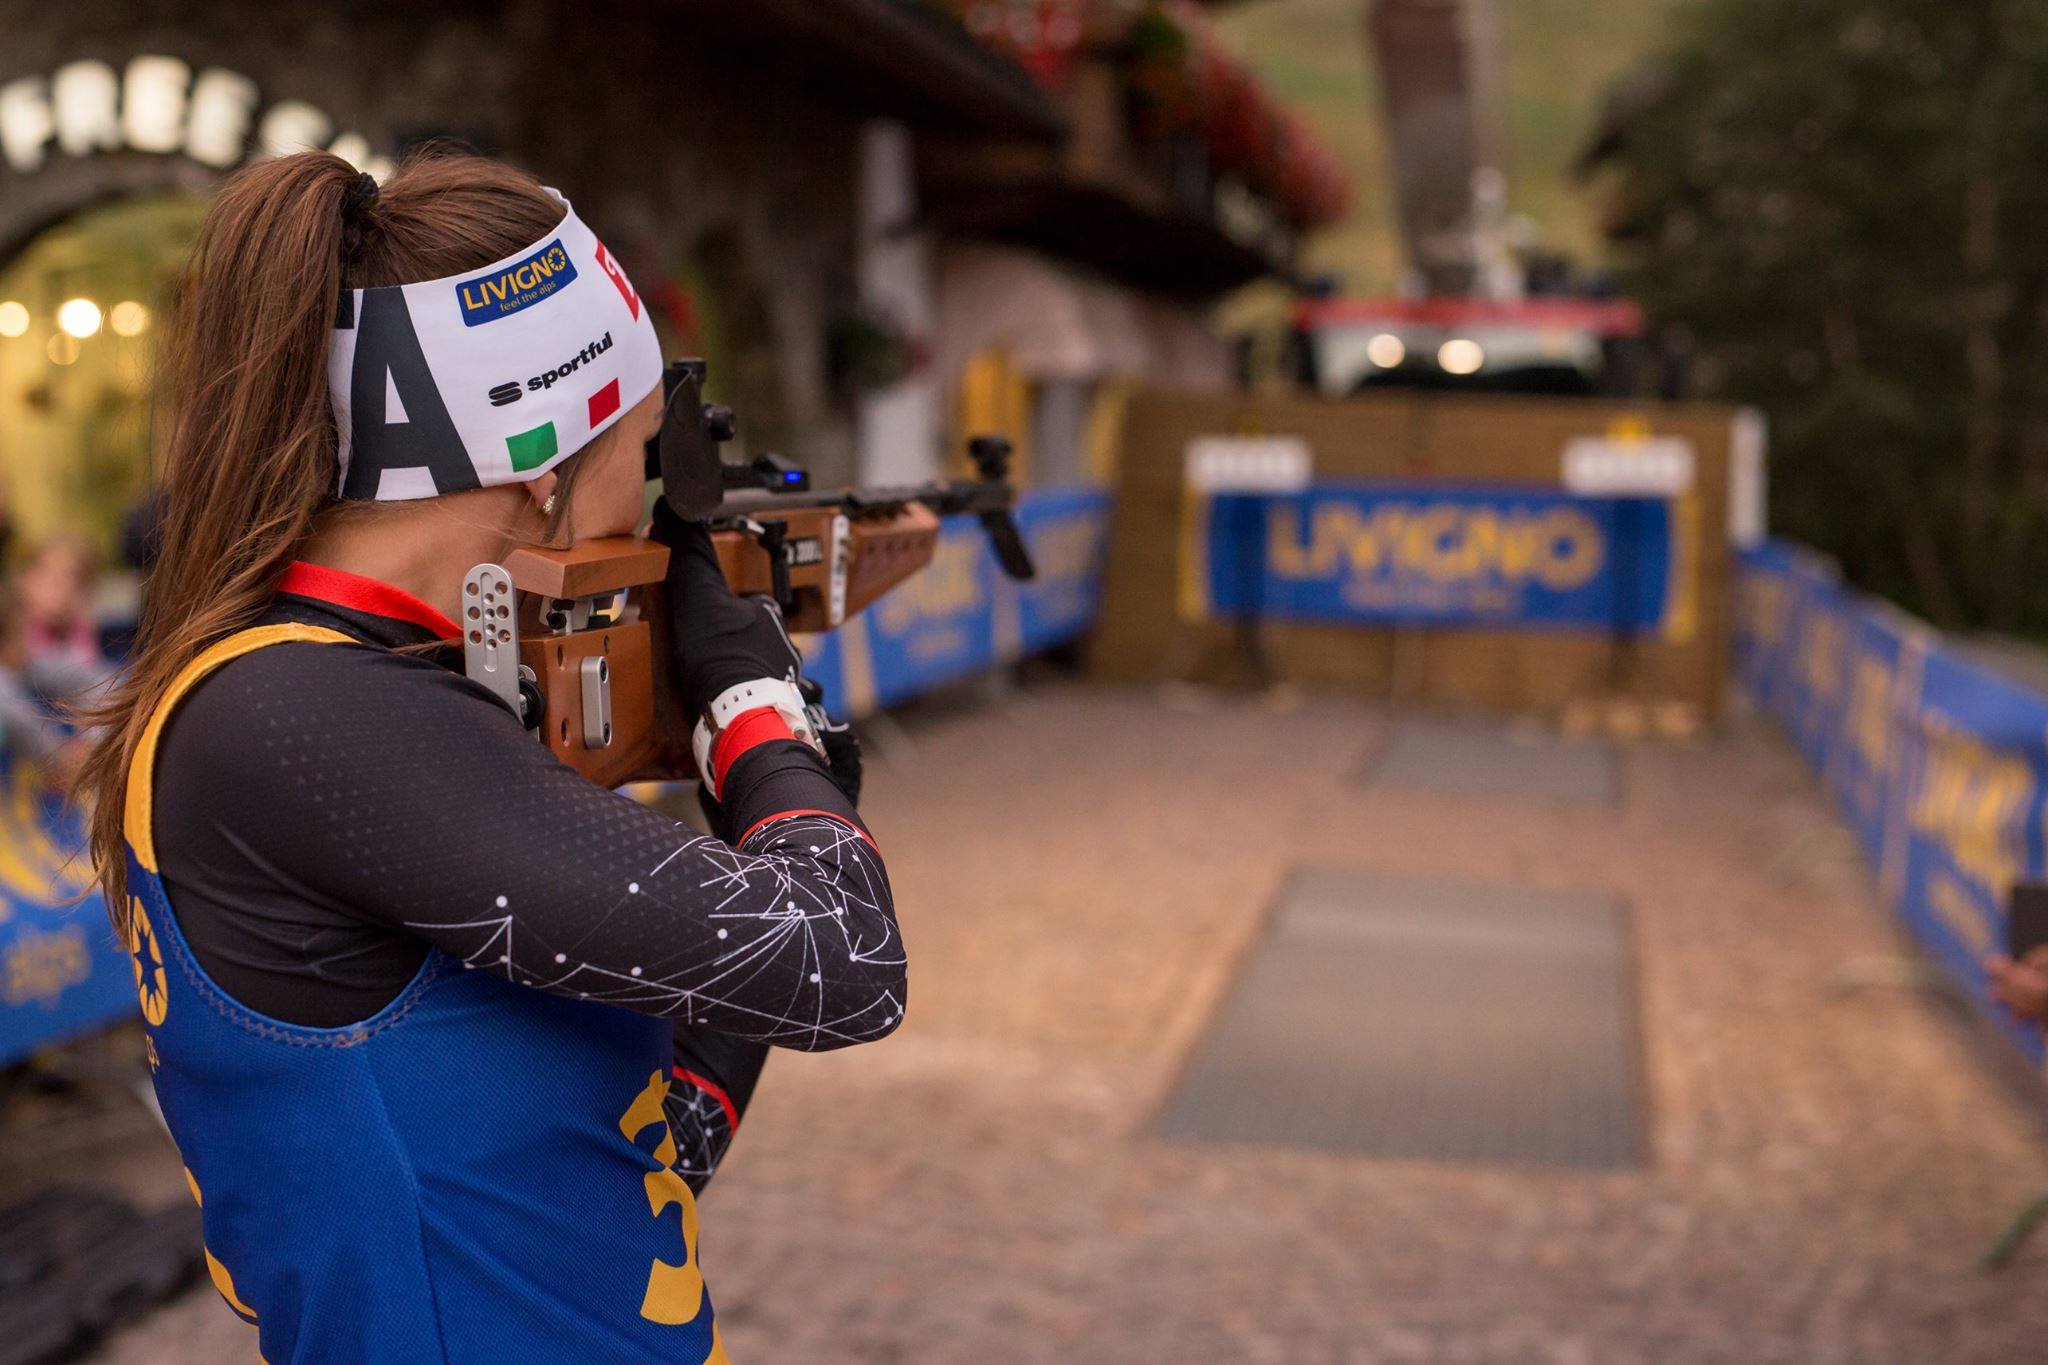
489, 377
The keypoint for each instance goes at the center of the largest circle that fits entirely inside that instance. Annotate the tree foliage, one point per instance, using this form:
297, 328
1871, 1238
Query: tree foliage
1842, 206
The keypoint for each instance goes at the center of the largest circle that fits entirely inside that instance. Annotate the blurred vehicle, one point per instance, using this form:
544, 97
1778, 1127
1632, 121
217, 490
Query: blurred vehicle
1470, 345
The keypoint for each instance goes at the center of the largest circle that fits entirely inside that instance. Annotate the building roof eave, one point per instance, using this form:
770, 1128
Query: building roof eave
1144, 245
905, 58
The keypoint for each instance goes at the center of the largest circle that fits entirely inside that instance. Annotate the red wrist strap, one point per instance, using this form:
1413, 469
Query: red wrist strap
748, 729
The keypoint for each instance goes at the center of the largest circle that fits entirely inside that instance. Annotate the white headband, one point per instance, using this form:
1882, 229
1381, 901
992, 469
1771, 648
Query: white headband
489, 377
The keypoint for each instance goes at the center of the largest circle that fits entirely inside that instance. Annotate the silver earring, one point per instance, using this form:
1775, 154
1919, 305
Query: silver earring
547, 509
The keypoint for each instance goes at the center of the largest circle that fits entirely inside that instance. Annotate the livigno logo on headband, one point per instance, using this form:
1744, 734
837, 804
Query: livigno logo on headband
519, 285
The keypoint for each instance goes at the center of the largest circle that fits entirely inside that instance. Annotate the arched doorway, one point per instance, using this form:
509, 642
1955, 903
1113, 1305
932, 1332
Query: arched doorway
79, 312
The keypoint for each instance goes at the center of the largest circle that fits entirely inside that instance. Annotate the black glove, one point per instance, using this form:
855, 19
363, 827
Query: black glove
719, 638
842, 754
841, 744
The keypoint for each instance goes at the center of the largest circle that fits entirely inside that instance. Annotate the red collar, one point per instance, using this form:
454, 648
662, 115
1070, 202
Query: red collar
357, 593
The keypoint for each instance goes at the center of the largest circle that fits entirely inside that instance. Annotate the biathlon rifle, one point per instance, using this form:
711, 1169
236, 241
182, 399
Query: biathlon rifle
576, 640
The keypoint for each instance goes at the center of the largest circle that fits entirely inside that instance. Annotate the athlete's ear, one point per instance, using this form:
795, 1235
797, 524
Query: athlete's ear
540, 490
555, 532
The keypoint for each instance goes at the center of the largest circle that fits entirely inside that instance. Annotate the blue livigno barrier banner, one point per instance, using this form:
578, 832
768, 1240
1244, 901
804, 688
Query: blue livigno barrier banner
1939, 763
1446, 554
961, 615
61, 970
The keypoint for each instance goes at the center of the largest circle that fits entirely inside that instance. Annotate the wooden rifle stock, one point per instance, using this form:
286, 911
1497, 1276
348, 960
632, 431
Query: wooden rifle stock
840, 555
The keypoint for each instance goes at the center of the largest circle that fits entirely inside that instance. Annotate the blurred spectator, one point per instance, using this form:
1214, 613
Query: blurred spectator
2022, 986
29, 731
52, 596
49, 655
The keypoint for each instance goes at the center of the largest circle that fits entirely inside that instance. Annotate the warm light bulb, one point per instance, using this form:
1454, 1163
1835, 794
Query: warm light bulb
78, 317
1460, 355
13, 318
128, 318
1386, 350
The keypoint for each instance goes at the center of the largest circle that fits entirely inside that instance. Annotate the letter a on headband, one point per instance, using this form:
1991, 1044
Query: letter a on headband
430, 382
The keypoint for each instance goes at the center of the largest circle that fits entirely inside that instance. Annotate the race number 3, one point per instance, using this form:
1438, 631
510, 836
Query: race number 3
675, 1293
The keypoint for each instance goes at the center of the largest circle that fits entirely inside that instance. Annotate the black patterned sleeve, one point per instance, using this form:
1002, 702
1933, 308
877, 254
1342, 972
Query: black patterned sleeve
399, 792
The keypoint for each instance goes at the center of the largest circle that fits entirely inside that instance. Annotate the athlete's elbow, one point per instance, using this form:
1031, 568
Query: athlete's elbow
889, 988
896, 992
874, 1008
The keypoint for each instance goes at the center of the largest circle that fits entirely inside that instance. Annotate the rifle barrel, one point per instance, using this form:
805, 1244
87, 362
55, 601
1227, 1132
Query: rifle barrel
945, 497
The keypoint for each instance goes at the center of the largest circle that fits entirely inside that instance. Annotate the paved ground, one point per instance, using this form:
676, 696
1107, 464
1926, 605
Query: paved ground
1081, 872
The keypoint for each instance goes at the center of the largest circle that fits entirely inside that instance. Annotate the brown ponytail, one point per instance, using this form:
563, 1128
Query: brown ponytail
250, 454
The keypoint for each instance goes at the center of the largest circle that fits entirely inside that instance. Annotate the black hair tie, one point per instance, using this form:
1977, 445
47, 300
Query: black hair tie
361, 193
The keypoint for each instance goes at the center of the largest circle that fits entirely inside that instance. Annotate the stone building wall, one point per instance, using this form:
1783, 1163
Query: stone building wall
721, 175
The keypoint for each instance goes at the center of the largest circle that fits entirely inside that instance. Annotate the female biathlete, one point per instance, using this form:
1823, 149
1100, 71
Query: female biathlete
446, 1034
